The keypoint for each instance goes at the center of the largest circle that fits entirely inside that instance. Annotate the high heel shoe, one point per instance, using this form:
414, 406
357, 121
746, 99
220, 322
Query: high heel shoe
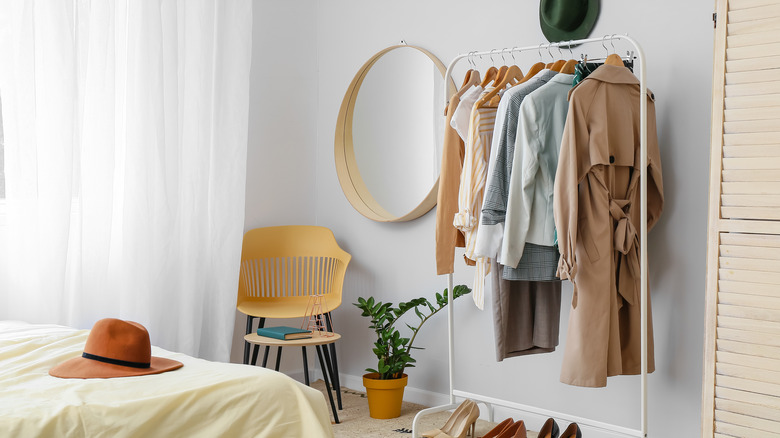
460, 414
516, 430
463, 425
496, 431
573, 431
549, 429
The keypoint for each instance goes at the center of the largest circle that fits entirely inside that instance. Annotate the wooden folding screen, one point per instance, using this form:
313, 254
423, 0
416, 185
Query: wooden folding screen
741, 385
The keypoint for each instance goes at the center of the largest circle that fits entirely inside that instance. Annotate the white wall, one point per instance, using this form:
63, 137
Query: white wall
280, 177
396, 261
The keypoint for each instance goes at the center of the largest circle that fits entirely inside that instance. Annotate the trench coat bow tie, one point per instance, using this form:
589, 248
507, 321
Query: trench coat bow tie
626, 242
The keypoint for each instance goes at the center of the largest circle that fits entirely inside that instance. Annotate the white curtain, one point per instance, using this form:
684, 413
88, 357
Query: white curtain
125, 150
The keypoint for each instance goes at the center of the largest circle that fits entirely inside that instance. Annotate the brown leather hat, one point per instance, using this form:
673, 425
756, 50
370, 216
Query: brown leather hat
115, 348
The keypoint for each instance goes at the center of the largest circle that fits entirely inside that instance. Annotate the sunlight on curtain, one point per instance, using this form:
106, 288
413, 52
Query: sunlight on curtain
125, 137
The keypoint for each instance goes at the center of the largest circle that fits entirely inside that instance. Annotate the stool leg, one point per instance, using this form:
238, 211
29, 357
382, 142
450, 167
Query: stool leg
327, 385
278, 358
246, 344
337, 381
305, 366
265, 355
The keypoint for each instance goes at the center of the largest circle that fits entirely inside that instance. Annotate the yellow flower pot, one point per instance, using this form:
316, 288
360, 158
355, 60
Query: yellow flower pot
384, 396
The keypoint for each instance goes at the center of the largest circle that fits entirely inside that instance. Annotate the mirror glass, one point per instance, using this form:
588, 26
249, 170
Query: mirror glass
396, 129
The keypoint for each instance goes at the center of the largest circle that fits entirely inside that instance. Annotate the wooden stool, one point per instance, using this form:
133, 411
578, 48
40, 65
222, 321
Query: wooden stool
319, 340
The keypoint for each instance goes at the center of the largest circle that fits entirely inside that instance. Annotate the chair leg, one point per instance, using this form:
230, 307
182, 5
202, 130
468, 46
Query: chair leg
278, 358
305, 366
246, 344
327, 385
333, 378
255, 350
265, 355
332, 347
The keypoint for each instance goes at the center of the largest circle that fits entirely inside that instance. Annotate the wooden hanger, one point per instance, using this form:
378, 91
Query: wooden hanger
614, 59
472, 78
512, 72
536, 68
490, 76
568, 67
557, 65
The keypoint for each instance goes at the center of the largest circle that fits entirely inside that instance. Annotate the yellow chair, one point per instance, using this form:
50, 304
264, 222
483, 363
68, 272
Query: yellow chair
281, 267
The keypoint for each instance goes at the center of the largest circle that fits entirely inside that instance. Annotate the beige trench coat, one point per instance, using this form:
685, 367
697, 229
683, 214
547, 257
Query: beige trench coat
597, 211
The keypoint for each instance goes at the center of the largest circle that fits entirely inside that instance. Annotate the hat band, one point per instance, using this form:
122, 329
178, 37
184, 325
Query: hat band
123, 363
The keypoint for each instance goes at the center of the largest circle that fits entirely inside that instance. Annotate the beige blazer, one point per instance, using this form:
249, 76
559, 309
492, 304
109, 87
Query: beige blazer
447, 236
596, 209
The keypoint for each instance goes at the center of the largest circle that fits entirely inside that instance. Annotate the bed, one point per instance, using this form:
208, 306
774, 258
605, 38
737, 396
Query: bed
201, 399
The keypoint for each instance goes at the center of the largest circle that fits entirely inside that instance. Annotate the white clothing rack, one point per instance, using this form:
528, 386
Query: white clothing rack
489, 401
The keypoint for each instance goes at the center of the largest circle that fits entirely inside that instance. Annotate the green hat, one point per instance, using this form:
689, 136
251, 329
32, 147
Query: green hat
563, 20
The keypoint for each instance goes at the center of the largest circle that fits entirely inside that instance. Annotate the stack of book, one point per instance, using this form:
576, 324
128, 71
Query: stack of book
284, 333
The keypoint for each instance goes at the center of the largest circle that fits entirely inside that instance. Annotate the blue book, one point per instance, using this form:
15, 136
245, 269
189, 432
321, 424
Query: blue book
284, 333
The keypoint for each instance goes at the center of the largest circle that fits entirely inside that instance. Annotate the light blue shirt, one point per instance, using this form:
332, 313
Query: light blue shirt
529, 212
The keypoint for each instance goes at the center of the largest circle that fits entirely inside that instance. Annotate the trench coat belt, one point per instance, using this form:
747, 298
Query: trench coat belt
626, 242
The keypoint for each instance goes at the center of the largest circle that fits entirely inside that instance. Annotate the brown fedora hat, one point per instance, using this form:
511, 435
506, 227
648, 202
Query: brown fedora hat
115, 348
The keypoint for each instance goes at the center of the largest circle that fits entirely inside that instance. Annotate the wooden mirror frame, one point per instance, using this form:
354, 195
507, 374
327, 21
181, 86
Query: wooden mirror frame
346, 166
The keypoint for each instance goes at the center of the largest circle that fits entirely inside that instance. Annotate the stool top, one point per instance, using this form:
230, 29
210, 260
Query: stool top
318, 338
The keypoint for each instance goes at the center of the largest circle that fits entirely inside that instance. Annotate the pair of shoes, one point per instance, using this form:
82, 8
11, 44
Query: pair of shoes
457, 426
511, 429
549, 429
508, 429
573, 431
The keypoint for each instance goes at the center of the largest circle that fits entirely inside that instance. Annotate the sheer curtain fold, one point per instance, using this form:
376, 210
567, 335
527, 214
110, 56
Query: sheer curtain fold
126, 129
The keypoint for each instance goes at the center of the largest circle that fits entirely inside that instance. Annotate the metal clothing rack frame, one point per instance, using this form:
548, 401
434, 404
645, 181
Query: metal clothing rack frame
489, 401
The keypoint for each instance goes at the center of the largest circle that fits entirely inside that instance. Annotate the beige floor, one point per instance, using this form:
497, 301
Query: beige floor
356, 422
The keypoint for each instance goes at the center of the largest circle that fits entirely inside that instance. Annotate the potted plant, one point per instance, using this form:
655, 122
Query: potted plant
385, 383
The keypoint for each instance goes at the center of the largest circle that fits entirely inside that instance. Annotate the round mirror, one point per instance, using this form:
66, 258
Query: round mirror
388, 134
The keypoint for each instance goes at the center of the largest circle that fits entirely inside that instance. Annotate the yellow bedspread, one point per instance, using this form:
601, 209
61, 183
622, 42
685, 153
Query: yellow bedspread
201, 399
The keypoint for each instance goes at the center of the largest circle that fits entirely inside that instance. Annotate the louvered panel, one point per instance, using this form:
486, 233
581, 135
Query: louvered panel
742, 348
752, 151
739, 287
746, 251
749, 325
734, 431
753, 88
749, 398
758, 38
751, 138
749, 312
765, 163
768, 113
753, 14
735, 5
750, 175
755, 26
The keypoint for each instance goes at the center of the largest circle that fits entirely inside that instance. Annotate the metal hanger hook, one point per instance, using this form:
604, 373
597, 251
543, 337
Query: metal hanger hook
512, 52
549, 52
492, 61
540, 51
603, 40
503, 52
612, 42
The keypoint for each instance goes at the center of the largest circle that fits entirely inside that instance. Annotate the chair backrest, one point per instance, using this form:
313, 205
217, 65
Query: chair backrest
281, 267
